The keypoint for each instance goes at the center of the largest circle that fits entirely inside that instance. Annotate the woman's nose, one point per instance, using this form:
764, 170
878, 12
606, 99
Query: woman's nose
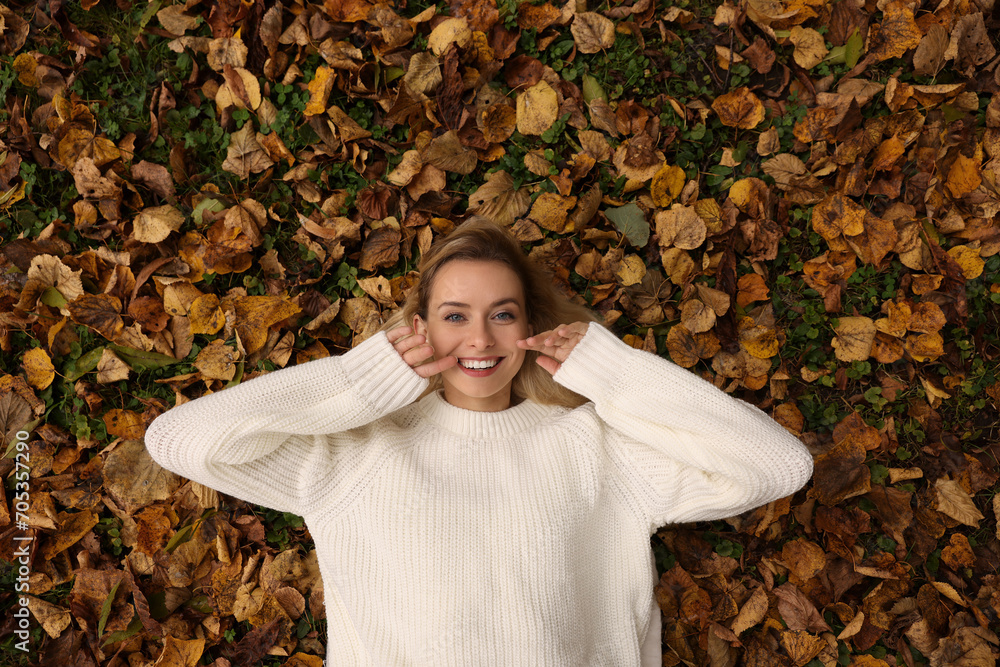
480, 335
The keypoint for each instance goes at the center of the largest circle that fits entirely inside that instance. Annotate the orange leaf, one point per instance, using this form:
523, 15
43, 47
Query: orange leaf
739, 108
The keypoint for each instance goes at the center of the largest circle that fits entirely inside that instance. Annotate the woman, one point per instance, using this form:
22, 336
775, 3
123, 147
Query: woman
481, 479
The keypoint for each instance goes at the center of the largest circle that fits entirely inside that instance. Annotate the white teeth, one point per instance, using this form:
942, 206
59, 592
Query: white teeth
479, 365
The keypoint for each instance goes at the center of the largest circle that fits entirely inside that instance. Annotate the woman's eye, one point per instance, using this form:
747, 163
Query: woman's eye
453, 317
505, 316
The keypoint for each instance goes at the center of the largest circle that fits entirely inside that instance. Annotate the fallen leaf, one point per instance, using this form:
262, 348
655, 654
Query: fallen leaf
810, 46
953, 501
537, 109
38, 368
154, 224
739, 108
592, 32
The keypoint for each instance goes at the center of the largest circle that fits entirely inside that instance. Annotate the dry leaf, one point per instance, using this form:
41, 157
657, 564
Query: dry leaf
592, 32
537, 109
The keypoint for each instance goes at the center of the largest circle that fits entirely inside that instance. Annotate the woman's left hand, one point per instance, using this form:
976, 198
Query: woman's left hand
554, 346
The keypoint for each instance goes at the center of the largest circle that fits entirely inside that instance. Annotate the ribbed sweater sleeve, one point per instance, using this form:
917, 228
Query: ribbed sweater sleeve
264, 440
688, 450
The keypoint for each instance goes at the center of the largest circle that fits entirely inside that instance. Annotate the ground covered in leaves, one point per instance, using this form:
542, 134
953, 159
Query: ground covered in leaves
797, 199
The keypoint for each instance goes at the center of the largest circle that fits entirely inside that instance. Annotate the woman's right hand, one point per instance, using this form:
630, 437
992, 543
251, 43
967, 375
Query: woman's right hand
417, 352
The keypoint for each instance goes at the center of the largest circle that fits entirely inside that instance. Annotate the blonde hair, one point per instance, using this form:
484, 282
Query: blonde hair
480, 239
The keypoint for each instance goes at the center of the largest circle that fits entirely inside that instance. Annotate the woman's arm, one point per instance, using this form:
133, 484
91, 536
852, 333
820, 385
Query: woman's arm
690, 451
257, 441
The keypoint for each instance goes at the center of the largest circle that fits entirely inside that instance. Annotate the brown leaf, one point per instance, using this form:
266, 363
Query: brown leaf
226, 51
798, 612
72, 527
953, 501
680, 227
110, 368
245, 155
739, 108
381, 248
53, 618
133, 479
854, 338
592, 32
752, 612
99, 312
497, 121
156, 178
447, 153
423, 74
498, 200
250, 218
898, 32
840, 473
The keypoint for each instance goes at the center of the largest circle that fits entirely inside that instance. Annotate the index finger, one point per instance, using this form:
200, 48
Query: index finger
394, 335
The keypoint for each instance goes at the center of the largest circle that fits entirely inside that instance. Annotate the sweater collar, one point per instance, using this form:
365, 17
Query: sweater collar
482, 425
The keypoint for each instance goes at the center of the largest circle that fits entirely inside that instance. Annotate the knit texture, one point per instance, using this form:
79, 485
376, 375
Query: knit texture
447, 537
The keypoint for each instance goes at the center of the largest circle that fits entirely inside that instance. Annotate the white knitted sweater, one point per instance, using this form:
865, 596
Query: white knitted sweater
448, 537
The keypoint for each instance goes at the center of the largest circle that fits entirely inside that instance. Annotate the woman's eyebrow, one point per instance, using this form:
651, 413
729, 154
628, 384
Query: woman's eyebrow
458, 304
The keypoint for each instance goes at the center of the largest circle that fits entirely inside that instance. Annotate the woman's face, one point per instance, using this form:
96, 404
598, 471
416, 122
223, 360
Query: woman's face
476, 312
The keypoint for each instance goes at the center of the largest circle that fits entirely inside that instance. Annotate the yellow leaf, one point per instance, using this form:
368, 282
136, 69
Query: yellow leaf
968, 258
38, 368
758, 340
680, 227
319, 91
537, 109
180, 652
854, 338
667, 185
963, 177
739, 108
631, 271
550, 211
450, 31
888, 152
154, 224
810, 46
256, 314
124, 423
898, 32
838, 215
217, 361
205, 315
25, 66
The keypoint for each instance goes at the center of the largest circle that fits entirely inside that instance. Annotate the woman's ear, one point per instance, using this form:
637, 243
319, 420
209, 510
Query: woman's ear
419, 326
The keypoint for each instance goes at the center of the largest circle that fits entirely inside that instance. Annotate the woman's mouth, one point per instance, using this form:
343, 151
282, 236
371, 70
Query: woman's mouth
479, 367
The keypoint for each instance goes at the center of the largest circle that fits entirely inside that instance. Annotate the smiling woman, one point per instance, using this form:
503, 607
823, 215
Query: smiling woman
507, 451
